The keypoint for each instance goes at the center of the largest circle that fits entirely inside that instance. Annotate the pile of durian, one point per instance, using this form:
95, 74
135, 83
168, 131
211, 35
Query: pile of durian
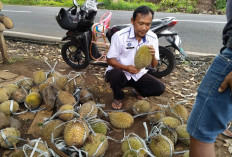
77, 127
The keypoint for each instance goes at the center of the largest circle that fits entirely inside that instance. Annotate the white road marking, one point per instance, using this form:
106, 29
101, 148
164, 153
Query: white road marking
33, 35
16, 11
203, 21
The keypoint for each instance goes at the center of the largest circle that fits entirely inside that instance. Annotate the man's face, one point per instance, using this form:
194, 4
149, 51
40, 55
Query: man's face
142, 24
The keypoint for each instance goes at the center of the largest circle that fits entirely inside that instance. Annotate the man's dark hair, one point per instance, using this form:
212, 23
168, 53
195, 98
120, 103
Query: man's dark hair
143, 10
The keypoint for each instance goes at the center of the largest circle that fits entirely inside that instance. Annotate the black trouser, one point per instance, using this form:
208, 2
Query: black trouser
147, 85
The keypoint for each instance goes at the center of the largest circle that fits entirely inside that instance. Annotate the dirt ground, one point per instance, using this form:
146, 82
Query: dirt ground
181, 86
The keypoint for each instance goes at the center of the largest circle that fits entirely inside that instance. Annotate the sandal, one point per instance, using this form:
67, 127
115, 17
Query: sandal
137, 95
116, 104
228, 131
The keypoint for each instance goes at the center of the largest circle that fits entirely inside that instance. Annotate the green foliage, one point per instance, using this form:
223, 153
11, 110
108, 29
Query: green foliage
220, 4
178, 5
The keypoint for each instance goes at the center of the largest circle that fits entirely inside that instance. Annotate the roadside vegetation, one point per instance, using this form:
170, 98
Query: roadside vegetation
188, 6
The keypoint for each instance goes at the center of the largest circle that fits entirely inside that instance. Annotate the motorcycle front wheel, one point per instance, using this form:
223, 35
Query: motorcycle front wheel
74, 55
167, 63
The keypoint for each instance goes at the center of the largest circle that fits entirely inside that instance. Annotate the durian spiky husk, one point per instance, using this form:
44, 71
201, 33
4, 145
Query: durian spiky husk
19, 95
4, 96
12, 135
40, 148
121, 120
33, 100
161, 146
75, 133
85, 95
64, 97
26, 83
130, 153
61, 82
39, 77
98, 126
51, 127
186, 154
182, 134
170, 122
5, 107
179, 112
49, 94
155, 117
88, 110
66, 116
135, 143
143, 57
93, 145
141, 106
35, 89
170, 133
6, 21
10, 88
17, 153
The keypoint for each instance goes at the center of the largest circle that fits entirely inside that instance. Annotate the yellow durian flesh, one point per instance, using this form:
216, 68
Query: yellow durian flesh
142, 57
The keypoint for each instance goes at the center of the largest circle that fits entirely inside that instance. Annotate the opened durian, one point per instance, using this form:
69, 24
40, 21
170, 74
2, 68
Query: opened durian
75, 133
54, 127
161, 146
182, 134
10, 88
170, 122
9, 136
121, 120
33, 100
96, 145
143, 57
141, 106
88, 110
19, 95
179, 112
39, 77
4, 96
5, 107
70, 112
134, 143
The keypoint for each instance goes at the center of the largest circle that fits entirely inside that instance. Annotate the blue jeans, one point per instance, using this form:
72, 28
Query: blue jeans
212, 110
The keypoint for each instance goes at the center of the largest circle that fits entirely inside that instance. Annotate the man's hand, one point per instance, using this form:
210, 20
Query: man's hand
132, 69
227, 82
152, 50
154, 61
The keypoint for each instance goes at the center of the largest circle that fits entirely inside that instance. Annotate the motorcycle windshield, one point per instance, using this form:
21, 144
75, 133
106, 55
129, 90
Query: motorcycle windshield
90, 5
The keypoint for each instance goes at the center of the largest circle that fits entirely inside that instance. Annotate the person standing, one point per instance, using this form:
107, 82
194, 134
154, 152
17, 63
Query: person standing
121, 71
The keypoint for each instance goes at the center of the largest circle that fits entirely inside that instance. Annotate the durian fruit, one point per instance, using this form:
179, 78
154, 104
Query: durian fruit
17, 153
142, 57
96, 145
134, 143
70, 87
53, 127
186, 154
64, 97
75, 133
50, 80
170, 133
85, 95
130, 153
49, 94
39, 77
161, 146
11, 137
43, 85
121, 120
33, 100
66, 116
6, 21
61, 82
88, 110
40, 149
54, 74
80, 81
10, 88
170, 122
19, 95
5, 107
26, 83
157, 115
182, 134
4, 96
179, 112
141, 106
35, 89
98, 126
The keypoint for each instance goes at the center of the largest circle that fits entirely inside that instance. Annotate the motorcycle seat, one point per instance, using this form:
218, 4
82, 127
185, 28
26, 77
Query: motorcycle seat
156, 22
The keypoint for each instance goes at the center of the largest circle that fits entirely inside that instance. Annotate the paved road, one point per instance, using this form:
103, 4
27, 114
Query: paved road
199, 33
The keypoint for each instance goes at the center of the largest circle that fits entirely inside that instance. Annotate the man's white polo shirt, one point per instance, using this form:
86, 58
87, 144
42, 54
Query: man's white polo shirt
124, 46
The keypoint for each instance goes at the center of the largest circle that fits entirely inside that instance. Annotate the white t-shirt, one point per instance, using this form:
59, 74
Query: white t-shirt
124, 46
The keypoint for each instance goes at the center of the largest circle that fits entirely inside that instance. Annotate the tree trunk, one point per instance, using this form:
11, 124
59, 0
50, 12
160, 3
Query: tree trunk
3, 49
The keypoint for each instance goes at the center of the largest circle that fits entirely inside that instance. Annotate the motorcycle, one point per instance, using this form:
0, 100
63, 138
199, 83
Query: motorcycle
80, 51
